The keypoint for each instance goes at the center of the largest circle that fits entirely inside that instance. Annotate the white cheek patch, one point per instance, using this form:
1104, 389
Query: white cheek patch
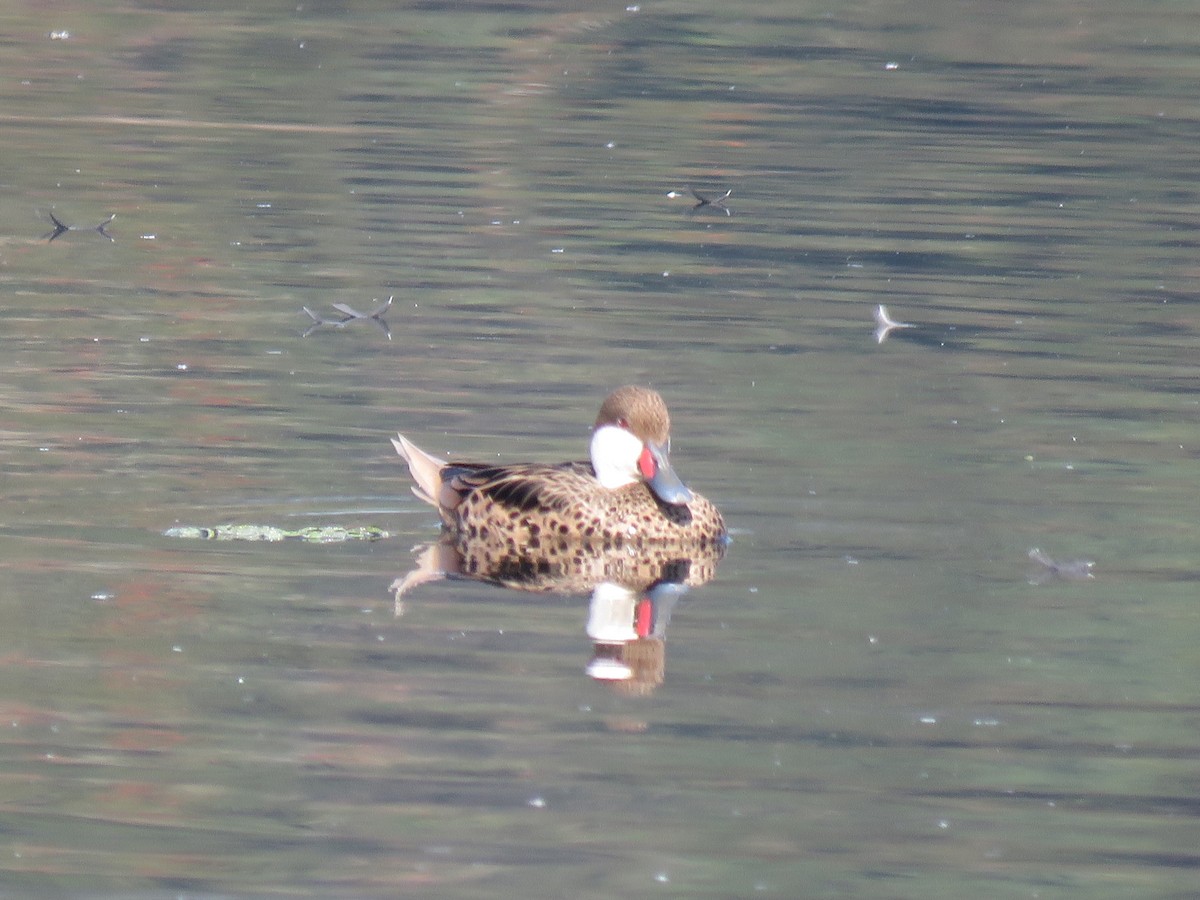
615, 454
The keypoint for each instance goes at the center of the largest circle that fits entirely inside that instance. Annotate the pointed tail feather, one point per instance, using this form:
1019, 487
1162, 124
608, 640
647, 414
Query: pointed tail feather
426, 469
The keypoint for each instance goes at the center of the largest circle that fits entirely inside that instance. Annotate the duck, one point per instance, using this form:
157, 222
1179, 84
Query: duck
626, 496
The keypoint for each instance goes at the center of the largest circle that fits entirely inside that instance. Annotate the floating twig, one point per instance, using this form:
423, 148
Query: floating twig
715, 202
1066, 570
703, 200
886, 325
350, 314
103, 227
61, 228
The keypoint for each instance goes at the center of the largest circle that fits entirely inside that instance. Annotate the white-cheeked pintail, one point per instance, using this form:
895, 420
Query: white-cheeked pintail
626, 496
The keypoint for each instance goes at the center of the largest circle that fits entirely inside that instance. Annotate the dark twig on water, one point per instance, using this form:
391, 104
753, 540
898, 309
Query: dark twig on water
714, 202
703, 200
103, 226
318, 321
350, 314
61, 228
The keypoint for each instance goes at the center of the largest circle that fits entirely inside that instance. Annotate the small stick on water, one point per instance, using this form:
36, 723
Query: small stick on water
318, 321
1067, 570
103, 227
714, 202
703, 200
61, 228
350, 314
375, 315
886, 325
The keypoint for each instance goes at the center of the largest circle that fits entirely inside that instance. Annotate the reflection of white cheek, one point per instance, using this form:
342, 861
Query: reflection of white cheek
615, 453
611, 614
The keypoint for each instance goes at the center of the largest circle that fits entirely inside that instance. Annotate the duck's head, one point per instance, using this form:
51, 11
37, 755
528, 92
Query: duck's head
631, 442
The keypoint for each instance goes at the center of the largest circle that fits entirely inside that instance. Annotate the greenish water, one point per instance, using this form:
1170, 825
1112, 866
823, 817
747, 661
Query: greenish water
871, 699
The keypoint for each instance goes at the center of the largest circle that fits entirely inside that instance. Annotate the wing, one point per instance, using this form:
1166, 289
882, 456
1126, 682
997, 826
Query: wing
525, 486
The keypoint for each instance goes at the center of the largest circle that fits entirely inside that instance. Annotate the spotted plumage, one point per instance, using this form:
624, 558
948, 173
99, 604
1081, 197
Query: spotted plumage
626, 498
576, 568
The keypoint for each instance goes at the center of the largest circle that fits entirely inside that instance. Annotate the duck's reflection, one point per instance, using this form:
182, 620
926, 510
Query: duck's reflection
628, 629
632, 591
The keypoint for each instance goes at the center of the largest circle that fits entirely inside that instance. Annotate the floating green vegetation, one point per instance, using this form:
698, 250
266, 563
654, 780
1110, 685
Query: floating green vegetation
317, 534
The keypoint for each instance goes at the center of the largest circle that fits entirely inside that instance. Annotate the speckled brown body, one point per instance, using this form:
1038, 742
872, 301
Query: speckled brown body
576, 567
514, 522
532, 507
540, 514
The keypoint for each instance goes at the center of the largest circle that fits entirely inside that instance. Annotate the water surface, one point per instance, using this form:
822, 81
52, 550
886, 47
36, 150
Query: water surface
872, 699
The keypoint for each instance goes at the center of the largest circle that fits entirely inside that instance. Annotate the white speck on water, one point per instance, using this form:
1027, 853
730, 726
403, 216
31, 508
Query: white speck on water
662, 878
928, 720
891, 66
536, 802
182, 367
